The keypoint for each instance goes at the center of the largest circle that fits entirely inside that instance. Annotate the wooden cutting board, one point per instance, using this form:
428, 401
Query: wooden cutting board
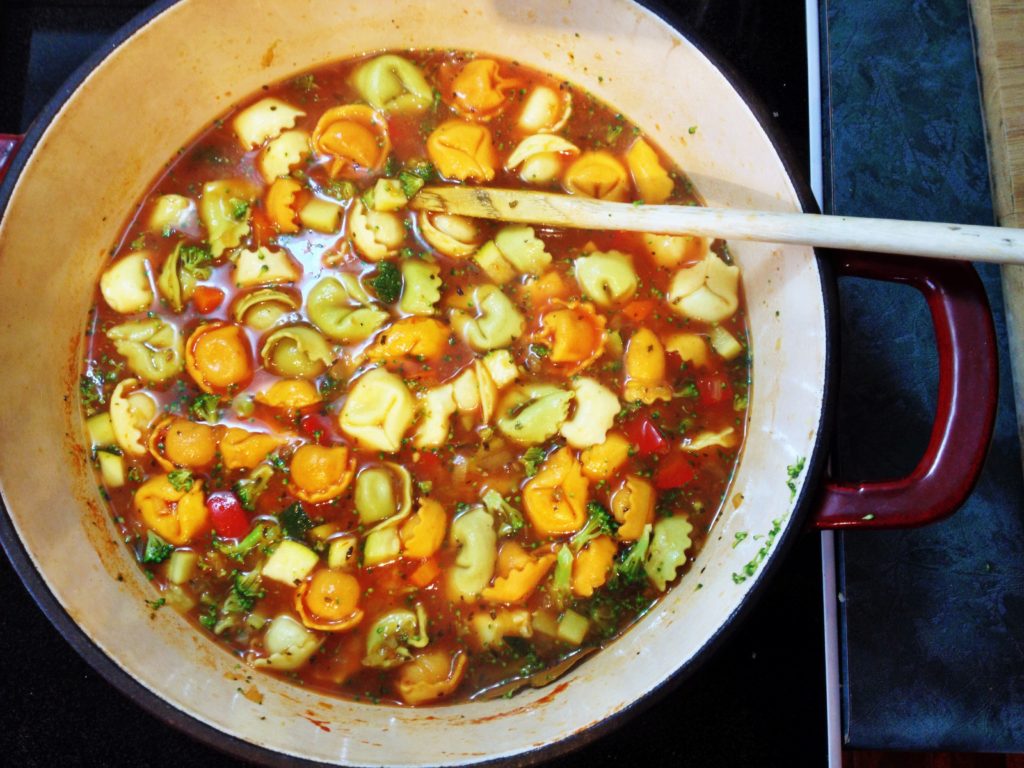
999, 39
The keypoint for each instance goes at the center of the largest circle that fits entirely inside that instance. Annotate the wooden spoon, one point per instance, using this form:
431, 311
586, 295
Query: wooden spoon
912, 238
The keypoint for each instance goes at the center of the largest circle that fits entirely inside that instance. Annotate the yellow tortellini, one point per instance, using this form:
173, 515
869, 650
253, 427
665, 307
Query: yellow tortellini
708, 290
264, 267
263, 308
670, 251
725, 438
422, 287
597, 174
463, 150
606, 277
125, 284
645, 369
490, 628
393, 84
297, 350
430, 675
175, 283
154, 349
514, 250
652, 181
596, 409
378, 411
540, 157
455, 236
437, 406
669, 542
342, 309
173, 213
224, 208
533, 413
264, 120
288, 644
497, 322
545, 110
376, 234
389, 635
282, 154
131, 413
473, 533
474, 389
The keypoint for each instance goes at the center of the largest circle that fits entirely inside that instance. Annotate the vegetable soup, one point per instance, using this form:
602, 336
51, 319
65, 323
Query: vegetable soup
406, 457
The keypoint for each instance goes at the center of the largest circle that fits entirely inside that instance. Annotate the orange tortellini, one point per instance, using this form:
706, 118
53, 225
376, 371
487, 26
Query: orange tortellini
463, 151
355, 137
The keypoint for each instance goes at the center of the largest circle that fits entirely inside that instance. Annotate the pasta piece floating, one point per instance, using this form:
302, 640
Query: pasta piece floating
545, 110
592, 564
392, 635
125, 284
185, 444
645, 369
264, 267
518, 574
596, 409
131, 413
288, 644
430, 675
633, 506
602, 461
502, 367
574, 336
176, 513
224, 208
329, 601
479, 89
218, 357
708, 290
342, 309
174, 213
490, 628
419, 337
176, 284
242, 449
597, 174
153, 348
280, 204
262, 309
463, 151
725, 438
289, 394
393, 84
376, 234
320, 473
533, 413
383, 495
422, 287
437, 406
378, 411
606, 277
652, 181
555, 499
691, 348
475, 389
455, 236
669, 542
670, 251
297, 350
514, 249
497, 323
264, 120
423, 533
473, 533
282, 154
541, 157
355, 137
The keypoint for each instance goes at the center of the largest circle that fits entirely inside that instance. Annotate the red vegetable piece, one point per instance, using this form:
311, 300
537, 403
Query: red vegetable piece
226, 513
317, 427
714, 389
638, 310
207, 298
645, 436
674, 471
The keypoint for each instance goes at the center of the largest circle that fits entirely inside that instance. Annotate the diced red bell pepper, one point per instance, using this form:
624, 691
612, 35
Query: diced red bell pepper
714, 389
638, 310
316, 426
226, 514
645, 436
674, 471
207, 298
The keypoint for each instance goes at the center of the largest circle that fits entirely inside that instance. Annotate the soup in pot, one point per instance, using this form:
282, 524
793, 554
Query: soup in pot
409, 457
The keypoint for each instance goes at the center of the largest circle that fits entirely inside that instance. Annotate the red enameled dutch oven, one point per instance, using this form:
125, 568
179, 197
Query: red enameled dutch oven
89, 158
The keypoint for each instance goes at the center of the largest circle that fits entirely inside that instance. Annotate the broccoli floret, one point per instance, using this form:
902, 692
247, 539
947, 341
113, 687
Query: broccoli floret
196, 260
510, 519
263, 533
600, 522
532, 459
181, 479
294, 521
206, 407
245, 591
630, 567
411, 183
387, 283
157, 550
249, 489
561, 581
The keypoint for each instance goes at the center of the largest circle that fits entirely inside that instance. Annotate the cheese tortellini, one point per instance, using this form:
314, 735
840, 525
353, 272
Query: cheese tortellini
462, 150
597, 174
708, 290
297, 350
378, 411
533, 413
669, 542
497, 322
154, 349
355, 137
224, 208
264, 266
393, 84
455, 236
342, 309
540, 157
422, 287
376, 234
606, 277
515, 249
125, 285
545, 110
596, 409
473, 533
263, 308
131, 413
652, 181
264, 120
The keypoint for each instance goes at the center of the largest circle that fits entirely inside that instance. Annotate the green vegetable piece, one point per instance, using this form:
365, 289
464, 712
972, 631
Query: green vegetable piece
387, 282
630, 567
599, 522
510, 519
206, 407
561, 581
157, 550
181, 479
532, 459
263, 534
294, 521
411, 183
668, 550
249, 489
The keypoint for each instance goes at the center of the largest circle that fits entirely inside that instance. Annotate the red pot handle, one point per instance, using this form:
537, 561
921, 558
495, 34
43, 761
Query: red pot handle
9, 144
966, 411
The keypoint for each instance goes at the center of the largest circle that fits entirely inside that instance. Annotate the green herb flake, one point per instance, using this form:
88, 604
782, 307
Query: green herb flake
793, 472
750, 568
740, 536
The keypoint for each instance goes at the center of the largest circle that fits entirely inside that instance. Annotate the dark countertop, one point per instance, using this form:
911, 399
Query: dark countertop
758, 701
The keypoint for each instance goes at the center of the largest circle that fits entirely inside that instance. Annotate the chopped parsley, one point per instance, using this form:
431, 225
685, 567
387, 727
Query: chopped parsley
793, 471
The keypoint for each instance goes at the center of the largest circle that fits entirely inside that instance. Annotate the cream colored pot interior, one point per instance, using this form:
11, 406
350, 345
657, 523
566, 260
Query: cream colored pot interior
156, 91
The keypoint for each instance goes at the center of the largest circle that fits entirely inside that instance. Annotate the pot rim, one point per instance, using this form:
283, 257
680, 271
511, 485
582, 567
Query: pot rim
233, 746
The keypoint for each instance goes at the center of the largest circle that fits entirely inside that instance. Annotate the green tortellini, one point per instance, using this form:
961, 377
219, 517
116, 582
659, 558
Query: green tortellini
391, 635
606, 277
533, 413
667, 554
342, 309
225, 207
473, 533
297, 351
422, 287
394, 84
262, 309
175, 283
154, 349
383, 494
514, 250
497, 322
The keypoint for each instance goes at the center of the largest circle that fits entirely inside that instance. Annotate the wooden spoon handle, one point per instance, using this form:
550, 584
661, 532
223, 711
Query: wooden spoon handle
911, 238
